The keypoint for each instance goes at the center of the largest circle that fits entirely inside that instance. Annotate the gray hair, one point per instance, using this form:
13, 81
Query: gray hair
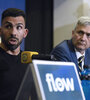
83, 21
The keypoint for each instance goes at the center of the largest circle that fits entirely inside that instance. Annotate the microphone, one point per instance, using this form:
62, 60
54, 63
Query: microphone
86, 66
85, 74
27, 56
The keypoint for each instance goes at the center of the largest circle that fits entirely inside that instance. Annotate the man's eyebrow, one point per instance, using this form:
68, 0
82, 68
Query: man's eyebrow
20, 24
83, 31
7, 22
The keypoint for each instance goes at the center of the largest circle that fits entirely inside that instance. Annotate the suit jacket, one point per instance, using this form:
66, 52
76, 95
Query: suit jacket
65, 52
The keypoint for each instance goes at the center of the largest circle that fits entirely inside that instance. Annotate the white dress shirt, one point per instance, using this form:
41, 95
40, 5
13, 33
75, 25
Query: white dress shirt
78, 54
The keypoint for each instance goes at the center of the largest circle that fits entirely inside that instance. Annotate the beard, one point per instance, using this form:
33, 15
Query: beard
11, 46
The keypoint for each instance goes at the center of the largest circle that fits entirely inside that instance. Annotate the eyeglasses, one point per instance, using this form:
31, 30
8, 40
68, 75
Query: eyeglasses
82, 33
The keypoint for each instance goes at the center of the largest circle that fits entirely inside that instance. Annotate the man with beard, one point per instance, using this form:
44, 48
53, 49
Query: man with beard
77, 49
12, 32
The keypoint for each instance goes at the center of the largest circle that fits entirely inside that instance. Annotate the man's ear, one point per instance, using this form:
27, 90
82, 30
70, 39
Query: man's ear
72, 32
26, 32
0, 31
0, 34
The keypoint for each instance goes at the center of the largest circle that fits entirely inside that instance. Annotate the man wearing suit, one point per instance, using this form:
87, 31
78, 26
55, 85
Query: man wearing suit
71, 50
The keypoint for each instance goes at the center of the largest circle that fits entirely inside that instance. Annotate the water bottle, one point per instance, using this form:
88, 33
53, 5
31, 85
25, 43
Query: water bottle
85, 81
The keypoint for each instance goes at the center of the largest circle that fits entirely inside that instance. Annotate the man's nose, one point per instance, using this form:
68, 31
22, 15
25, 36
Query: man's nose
14, 31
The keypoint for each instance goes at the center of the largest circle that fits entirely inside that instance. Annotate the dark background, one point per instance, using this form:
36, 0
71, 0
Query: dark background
39, 21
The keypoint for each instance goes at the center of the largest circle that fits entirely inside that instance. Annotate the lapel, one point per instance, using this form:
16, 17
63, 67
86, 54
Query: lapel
87, 57
72, 53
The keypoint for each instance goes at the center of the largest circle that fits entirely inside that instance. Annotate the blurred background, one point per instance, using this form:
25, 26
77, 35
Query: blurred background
49, 21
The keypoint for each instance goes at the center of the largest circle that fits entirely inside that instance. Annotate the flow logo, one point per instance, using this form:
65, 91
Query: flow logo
59, 84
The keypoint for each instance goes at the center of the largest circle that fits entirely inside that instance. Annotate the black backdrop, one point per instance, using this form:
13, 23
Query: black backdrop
39, 20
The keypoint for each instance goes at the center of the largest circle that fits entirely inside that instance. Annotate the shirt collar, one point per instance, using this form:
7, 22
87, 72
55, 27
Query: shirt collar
78, 54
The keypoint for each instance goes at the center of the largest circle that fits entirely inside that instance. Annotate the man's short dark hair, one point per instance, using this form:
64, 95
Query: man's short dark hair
13, 12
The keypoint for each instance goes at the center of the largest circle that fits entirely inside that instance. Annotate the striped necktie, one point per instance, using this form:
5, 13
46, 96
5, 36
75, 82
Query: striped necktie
80, 59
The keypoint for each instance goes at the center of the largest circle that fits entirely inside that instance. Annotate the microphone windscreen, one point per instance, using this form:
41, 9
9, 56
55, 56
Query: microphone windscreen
86, 66
26, 56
